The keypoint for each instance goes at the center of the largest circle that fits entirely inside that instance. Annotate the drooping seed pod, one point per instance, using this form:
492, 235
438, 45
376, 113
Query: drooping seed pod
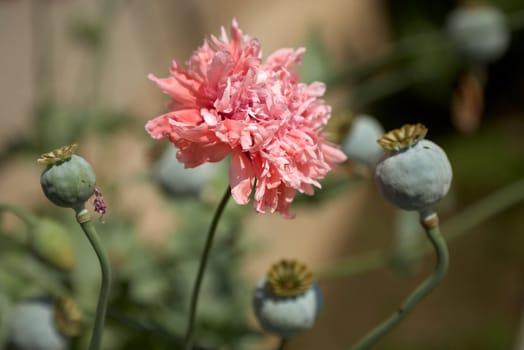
413, 173
68, 180
287, 301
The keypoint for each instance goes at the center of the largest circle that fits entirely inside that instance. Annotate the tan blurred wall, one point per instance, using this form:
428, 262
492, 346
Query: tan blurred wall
143, 37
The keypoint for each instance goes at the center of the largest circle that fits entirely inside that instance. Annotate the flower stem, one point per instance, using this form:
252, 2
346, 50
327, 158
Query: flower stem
26, 216
84, 219
188, 343
430, 223
33, 274
455, 227
283, 343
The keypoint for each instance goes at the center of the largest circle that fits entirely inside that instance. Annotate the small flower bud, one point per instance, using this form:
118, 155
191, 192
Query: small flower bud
480, 33
68, 180
359, 144
51, 242
286, 301
32, 327
414, 173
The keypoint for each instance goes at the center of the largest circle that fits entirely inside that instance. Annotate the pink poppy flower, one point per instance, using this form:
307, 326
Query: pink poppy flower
227, 101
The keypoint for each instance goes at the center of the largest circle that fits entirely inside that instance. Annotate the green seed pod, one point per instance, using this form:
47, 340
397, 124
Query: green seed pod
51, 242
68, 181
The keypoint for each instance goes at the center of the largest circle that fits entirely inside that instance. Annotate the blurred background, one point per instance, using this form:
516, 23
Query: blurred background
75, 71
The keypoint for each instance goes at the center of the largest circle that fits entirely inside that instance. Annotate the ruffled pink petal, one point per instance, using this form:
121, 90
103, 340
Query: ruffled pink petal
316, 89
229, 131
268, 200
179, 87
236, 38
223, 103
307, 189
218, 69
228, 101
210, 116
285, 58
241, 177
194, 154
159, 127
200, 134
285, 198
333, 153
188, 117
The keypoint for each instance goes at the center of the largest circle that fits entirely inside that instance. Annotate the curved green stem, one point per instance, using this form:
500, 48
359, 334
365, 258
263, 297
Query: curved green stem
29, 220
477, 213
483, 210
201, 269
85, 222
26, 216
31, 274
34, 275
431, 227
283, 343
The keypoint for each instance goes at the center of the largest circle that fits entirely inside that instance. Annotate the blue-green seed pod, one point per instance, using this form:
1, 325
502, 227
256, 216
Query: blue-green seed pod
414, 173
32, 327
176, 180
287, 302
480, 33
359, 143
68, 180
